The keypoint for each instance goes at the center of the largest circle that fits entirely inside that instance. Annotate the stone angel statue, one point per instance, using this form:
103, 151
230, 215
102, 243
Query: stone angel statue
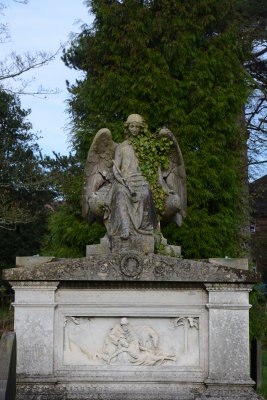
116, 192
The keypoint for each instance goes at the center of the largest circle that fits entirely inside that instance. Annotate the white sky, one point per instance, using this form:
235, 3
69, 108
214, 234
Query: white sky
43, 25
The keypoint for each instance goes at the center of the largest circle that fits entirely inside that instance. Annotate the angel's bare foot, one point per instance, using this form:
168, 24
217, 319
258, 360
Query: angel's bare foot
125, 233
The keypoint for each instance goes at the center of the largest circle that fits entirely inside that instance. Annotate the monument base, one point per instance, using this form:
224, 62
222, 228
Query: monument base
141, 243
122, 391
132, 326
105, 391
127, 391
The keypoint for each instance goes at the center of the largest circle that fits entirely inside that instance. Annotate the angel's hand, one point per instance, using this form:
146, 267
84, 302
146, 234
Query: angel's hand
164, 131
117, 175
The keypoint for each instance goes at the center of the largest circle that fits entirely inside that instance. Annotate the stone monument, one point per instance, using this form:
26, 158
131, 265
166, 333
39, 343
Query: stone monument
124, 322
120, 194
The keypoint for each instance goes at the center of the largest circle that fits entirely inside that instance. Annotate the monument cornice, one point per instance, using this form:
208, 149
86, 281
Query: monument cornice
131, 266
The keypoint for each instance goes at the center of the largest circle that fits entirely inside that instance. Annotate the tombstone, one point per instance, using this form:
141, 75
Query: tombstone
126, 322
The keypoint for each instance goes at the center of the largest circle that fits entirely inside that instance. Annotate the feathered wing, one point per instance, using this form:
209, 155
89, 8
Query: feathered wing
175, 176
98, 166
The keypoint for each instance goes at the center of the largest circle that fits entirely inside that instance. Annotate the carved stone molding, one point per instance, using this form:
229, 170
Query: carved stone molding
225, 306
31, 285
229, 287
133, 265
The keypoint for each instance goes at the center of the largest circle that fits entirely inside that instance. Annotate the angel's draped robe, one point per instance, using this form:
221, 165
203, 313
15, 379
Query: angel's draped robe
124, 212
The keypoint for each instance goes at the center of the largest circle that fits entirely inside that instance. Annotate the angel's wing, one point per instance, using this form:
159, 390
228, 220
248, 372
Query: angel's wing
98, 166
175, 176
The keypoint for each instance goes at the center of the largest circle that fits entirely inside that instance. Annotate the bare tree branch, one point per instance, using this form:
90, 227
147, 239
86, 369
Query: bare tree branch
16, 65
257, 162
261, 52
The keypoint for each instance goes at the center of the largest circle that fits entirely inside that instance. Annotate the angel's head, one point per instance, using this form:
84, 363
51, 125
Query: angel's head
135, 124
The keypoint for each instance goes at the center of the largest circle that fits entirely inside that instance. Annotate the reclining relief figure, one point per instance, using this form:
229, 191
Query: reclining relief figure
118, 183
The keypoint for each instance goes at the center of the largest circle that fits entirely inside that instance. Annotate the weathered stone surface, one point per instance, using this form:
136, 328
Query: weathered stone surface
103, 248
86, 325
174, 249
32, 260
40, 391
34, 326
228, 333
129, 391
144, 243
8, 366
226, 392
239, 263
188, 336
106, 391
184, 323
117, 191
96, 249
131, 266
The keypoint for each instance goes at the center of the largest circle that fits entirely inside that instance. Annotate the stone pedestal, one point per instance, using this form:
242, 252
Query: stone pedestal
34, 326
141, 243
228, 307
132, 326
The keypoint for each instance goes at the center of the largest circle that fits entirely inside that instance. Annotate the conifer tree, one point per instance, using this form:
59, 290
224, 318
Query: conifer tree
178, 64
24, 187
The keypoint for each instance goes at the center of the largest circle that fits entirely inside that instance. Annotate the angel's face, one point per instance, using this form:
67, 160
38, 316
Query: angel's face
134, 128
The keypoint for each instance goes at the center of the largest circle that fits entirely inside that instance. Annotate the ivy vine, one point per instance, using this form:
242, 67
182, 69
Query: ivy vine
152, 153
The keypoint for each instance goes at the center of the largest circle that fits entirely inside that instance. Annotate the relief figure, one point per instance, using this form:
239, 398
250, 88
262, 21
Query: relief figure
138, 343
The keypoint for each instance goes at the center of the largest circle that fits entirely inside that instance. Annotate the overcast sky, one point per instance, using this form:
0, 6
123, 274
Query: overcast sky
44, 25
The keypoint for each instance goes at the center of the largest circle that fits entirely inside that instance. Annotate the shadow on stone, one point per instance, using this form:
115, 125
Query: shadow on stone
8, 366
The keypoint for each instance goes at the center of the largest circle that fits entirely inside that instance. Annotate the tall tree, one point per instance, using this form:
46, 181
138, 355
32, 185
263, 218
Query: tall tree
179, 64
24, 187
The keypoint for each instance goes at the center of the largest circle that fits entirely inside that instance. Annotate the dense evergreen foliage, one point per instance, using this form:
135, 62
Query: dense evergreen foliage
257, 315
69, 232
179, 64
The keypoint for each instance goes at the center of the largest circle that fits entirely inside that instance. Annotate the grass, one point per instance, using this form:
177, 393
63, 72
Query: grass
263, 389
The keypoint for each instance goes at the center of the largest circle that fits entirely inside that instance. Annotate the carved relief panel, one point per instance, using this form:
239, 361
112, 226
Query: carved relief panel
131, 341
